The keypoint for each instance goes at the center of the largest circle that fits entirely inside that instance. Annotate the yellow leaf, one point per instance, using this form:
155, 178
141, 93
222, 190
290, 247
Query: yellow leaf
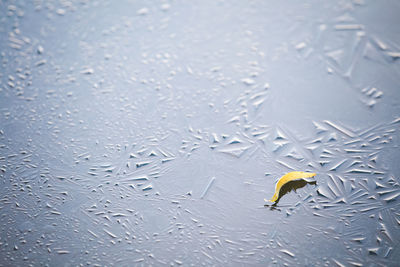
291, 176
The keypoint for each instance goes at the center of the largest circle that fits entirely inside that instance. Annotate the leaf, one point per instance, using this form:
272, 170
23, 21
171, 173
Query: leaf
291, 176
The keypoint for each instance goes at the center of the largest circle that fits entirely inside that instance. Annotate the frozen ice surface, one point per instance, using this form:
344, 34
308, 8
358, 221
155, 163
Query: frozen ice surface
150, 132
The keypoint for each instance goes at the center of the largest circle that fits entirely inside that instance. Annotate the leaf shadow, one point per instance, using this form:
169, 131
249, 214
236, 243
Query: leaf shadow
288, 187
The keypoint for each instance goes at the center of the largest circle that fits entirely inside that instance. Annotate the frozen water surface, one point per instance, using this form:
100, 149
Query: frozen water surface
150, 133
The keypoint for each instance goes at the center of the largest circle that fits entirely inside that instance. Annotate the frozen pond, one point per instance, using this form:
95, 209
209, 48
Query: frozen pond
139, 133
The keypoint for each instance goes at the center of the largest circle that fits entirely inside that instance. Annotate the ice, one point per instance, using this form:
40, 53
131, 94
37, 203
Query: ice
150, 133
